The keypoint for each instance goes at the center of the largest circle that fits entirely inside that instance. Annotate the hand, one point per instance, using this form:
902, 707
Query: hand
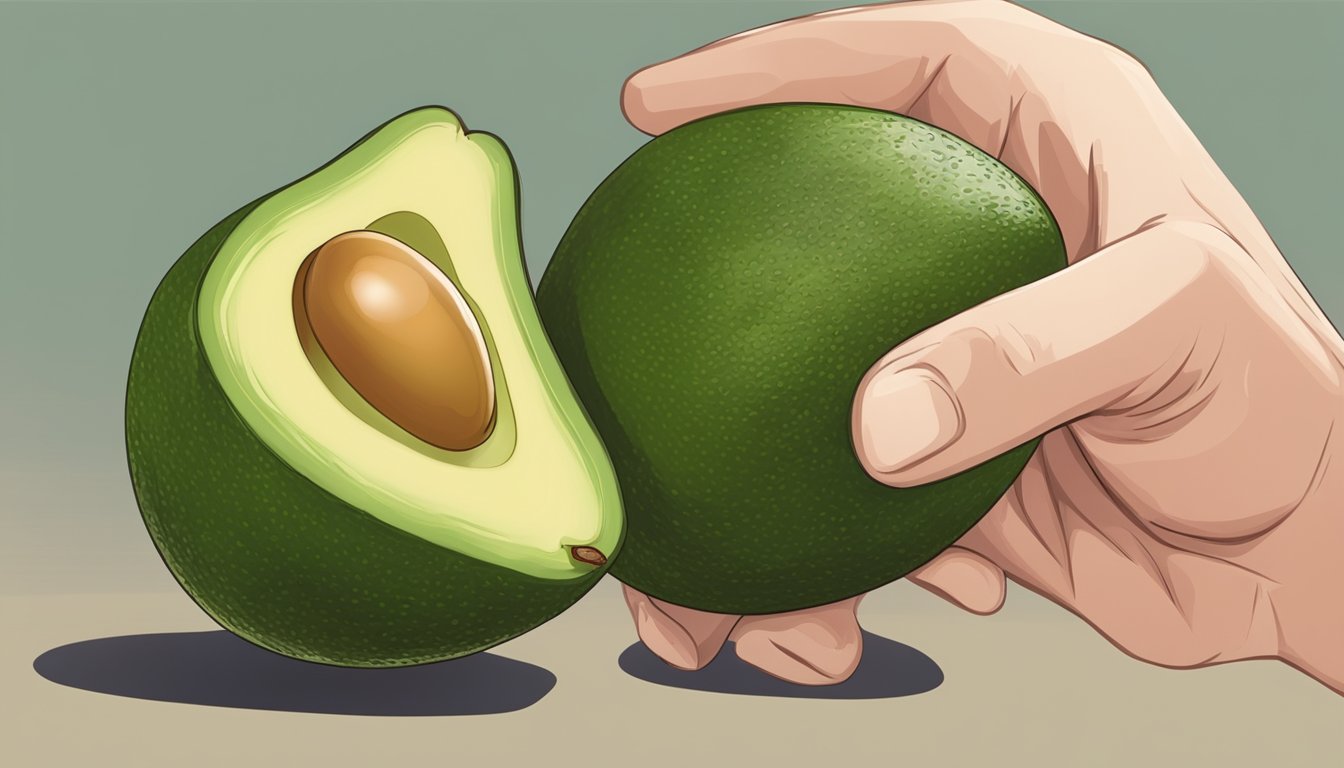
1183, 499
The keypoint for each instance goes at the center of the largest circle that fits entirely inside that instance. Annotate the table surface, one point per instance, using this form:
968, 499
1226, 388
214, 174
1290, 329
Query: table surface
145, 679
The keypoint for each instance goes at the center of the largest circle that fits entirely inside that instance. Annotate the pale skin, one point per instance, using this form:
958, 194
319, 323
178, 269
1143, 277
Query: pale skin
1187, 496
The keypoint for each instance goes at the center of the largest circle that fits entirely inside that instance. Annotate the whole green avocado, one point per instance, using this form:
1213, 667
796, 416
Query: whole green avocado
717, 300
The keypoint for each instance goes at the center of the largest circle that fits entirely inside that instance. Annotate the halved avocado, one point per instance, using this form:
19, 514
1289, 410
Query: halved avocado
313, 513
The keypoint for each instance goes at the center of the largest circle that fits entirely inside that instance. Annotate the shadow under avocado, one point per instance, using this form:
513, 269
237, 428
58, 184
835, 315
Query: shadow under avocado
220, 669
888, 669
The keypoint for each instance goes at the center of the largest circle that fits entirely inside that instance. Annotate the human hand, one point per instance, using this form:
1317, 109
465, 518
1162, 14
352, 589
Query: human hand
1183, 499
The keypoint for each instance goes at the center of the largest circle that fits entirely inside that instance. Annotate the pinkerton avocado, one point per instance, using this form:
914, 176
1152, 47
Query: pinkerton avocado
349, 437
716, 302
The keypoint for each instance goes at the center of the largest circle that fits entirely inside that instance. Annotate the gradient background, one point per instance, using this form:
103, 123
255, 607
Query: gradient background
127, 129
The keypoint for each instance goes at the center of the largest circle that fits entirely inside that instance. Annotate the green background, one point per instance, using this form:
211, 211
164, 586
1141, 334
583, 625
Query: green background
128, 129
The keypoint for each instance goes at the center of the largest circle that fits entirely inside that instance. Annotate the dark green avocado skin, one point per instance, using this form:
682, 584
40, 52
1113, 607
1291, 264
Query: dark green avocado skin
717, 300
269, 554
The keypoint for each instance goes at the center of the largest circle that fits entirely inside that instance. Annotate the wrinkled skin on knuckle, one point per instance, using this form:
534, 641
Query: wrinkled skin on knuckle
995, 355
1223, 441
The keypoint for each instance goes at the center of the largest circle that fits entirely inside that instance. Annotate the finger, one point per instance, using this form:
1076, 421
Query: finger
683, 637
1023, 534
885, 58
1027, 534
817, 646
1110, 327
995, 74
959, 65
964, 578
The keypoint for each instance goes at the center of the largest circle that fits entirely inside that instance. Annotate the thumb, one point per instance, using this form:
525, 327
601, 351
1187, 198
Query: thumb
1098, 334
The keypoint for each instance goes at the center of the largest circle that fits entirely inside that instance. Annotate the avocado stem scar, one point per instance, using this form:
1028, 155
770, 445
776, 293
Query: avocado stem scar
589, 555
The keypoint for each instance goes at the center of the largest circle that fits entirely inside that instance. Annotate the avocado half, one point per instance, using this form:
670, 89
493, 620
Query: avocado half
717, 300
288, 506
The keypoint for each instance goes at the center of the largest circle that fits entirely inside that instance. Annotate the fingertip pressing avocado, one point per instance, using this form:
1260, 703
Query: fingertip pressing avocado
349, 437
716, 302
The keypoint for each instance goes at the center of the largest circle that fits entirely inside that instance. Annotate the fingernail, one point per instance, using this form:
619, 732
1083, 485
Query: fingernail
667, 639
906, 416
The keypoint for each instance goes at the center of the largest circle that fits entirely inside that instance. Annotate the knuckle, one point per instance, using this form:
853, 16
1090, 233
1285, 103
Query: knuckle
1214, 265
1135, 73
1209, 238
1007, 12
1109, 56
999, 346
1121, 58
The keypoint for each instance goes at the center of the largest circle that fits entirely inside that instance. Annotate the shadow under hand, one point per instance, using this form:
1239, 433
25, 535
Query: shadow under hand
887, 669
220, 669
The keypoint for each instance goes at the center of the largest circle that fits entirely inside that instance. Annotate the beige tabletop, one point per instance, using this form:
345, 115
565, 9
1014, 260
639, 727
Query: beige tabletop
145, 679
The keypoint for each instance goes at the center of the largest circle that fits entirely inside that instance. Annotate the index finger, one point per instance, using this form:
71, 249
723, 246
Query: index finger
1075, 117
890, 57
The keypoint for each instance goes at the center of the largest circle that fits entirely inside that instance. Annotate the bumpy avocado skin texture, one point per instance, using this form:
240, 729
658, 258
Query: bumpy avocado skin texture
716, 302
270, 555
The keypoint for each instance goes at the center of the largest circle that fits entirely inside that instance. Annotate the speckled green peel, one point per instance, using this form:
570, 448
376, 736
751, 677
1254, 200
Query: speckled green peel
272, 553
716, 302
